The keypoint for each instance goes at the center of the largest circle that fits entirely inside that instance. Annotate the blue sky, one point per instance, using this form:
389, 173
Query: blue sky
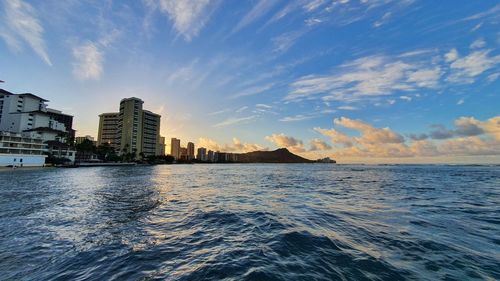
360, 81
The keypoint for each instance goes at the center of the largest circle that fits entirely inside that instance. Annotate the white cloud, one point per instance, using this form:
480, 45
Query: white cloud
493, 77
253, 90
347, 107
282, 140
470, 137
479, 43
460, 101
452, 55
20, 23
235, 146
260, 9
188, 16
236, 121
298, 117
405, 98
383, 20
465, 69
318, 145
366, 77
88, 62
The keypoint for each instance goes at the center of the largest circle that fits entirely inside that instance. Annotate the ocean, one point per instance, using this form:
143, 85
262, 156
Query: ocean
251, 222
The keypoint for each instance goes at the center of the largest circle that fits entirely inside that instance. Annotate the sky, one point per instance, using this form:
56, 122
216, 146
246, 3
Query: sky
366, 81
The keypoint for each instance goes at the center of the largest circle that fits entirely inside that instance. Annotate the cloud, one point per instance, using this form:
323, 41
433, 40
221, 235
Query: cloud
451, 56
470, 137
235, 146
188, 16
20, 24
260, 9
383, 20
465, 69
281, 140
88, 62
286, 40
347, 107
254, 90
460, 101
479, 43
365, 77
298, 117
318, 145
235, 121
405, 98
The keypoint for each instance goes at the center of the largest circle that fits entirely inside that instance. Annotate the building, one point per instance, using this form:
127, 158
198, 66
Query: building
131, 130
175, 148
184, 154
19, 151
27, 118
28, 114
61, 150
201, 154
161, 147
129, 133
79, 140
190, 151
210, 156
150, 133
108, 127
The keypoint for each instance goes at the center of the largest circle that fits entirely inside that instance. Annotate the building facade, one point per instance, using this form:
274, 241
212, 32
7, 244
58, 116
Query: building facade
131, 130
161, 147
175, 148
150, 133
19, 151
108, 129
190, 151
129, 133
202, 154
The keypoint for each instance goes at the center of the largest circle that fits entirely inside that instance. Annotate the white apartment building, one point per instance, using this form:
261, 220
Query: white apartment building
19, 151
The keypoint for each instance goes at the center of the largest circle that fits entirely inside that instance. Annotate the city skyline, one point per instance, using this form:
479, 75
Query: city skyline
357, 81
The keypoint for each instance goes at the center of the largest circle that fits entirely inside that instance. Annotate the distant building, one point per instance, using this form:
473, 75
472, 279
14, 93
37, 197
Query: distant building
190, 151
175, 148
132, 129
201, 154
184, 154
210, 156
151, 134
79, 140
108, 129
161, 147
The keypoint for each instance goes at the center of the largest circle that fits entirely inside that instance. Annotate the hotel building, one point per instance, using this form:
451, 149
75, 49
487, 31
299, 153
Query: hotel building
25, 124
190, 151
108, 126
175, 148
131, 130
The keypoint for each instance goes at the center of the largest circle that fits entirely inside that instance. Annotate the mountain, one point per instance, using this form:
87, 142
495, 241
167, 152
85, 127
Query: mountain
281, 155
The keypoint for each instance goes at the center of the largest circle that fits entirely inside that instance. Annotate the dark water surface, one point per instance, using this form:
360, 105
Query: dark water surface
251, 222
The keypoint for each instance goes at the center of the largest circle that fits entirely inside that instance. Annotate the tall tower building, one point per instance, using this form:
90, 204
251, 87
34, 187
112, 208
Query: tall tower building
108, 126
160, 149
150, 133
130, 126
190, 151
175, 148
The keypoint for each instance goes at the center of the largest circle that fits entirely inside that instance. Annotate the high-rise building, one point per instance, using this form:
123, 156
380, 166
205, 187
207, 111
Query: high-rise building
108, 126
79, 140
202, 154
131, 130
210, 156
175, 148
184, 154
150, 133
28, 114
161, 147
190, 151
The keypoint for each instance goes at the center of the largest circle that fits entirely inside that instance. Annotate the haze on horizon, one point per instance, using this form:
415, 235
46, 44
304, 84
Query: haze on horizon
402, 81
